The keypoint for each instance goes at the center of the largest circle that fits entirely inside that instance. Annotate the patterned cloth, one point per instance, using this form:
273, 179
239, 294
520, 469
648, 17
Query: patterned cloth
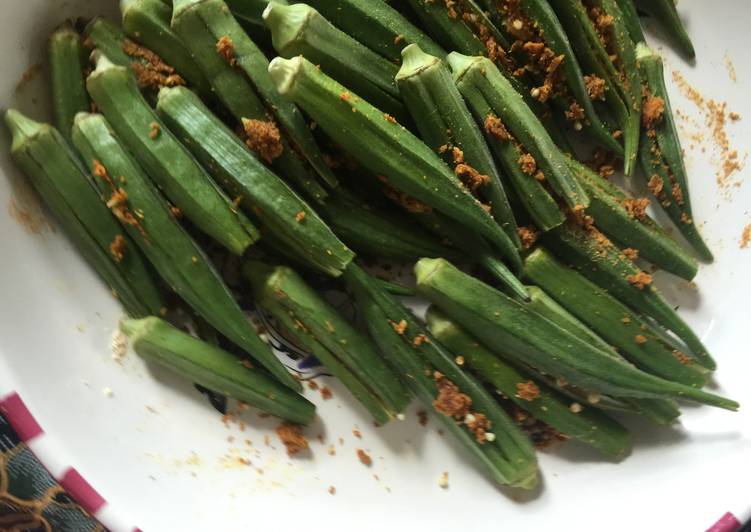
30, 499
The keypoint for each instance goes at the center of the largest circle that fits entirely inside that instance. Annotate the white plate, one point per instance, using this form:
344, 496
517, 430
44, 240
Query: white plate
163, 458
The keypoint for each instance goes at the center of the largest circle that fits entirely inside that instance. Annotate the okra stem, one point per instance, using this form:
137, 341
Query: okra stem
156, 341
166, 161
68, 84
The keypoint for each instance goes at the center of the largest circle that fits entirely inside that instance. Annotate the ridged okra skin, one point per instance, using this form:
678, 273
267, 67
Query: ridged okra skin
386, 148
283, 213
152, 224
422, 361
158, 342
497, 320
324, 331
590, 426
66, 188
185, 183
65, 54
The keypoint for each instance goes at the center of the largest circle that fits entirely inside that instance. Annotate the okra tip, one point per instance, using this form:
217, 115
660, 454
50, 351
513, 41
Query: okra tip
178, 6
426, 267
461, 63
137, 328
414, 61
284, 72
66, 30
286, 22
21, 127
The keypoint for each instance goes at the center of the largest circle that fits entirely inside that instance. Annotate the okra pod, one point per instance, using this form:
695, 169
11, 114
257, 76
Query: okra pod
370, 231
158, 342
66, 188
341, 348
603, 263
609, 208
236, 92
666, 14
258, 190
481, 74
453, 33
148, 22
501, 322
301, 30
532, 195
424, 364
601, 40
661, 153
377, 25
108, 38
213, 18
153, 226
166, 161
477, 250
446, 124
631, 20
384, 147
68, 83
660, 411
612, 320
588, 425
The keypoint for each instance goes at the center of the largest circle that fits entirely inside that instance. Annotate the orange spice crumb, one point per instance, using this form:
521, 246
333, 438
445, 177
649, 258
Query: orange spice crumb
409, 203
631, 253
652, 111
637, 208
528, 391
226, 49
419, 340
655, 185
575, 112
264, 138
640, 280
528, 164
345, 96
422, 417
471, 177
450, 401
457, 154
176, 212
364, 458
118, 248
154, 131
389, 118
332, 490
150, 70
400, 327
640, 339
356, 433
300, 216
495, 127
292, 438
528, 236
746, 236
326, 393
595, 87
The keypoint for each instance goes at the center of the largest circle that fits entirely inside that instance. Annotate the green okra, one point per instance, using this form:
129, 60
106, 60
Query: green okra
610, 54
613, 321
417, 356
236, 92
249, 13
213, 18
68, 83
385, 148
108, 38
301, 30
666, 14
148, 22
604, 264
260, 192
481, 74
547, 29
66, 188
166, 161
377, 25
532, 195
376, 233
502, 323
660, 411
662, 156
149, 221
445, 122
477, 250
588, 425
342, 349
608, 208
157, 341
631, 20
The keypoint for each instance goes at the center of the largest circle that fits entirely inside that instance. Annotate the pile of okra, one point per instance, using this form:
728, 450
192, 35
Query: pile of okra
214, 156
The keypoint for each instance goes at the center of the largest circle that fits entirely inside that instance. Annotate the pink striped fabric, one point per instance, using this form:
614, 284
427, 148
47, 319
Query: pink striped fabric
82, 491
726, 523
15, 411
